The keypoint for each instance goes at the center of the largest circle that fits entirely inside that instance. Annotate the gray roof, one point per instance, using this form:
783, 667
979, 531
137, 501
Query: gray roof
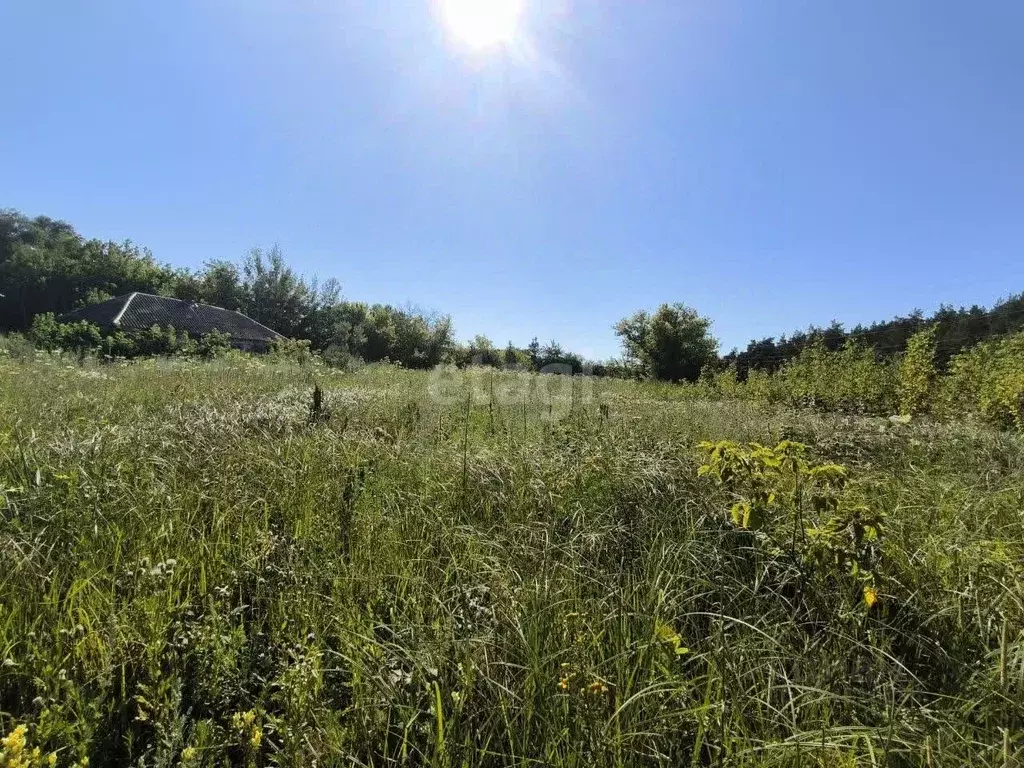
139, 311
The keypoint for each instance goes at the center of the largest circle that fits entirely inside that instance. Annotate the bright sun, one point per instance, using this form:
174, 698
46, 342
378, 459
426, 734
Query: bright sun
483, 23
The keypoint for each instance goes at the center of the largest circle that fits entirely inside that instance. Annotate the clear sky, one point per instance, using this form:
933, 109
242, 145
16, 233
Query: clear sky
772, 164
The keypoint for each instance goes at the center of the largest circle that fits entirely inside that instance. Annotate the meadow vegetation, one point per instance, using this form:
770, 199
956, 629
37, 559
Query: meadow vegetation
261, 562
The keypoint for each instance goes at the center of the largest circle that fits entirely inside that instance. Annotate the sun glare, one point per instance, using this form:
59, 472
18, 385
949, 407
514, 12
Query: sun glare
483, 23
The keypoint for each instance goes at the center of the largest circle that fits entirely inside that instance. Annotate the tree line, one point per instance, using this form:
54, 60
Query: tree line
955, 330
46, 266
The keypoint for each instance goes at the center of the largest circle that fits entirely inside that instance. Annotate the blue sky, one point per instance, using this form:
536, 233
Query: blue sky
772, 164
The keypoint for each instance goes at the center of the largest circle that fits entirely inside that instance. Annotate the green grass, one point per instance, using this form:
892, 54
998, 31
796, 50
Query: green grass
456, 569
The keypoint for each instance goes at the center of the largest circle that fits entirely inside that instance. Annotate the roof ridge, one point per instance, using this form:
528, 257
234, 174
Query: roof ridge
117, 317
183, 301
252, 320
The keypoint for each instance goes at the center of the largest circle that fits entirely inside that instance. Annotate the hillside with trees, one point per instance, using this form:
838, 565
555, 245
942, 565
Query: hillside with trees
46, 266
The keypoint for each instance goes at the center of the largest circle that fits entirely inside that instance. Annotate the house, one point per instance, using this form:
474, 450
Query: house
134, 312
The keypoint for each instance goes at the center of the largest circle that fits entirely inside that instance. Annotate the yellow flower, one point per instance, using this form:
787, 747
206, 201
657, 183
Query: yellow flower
14, 742
870, 596
188, 754
241, 721
596, 688
563, 683
51, 759
256, 737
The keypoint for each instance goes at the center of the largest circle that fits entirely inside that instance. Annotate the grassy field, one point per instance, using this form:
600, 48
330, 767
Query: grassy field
204, 564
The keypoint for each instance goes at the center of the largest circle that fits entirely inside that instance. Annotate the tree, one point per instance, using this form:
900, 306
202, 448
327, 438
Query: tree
533, 351
482, 352
45, 266
515, 359
278, 297
673, 344
220, 284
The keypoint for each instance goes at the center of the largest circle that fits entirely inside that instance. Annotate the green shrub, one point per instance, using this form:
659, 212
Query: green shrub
917, 373
213, 344
45, 332
16, 346
850, 379
118, 344
292, 350
988, 381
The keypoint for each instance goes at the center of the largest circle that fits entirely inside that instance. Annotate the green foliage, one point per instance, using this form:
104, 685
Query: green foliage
213, 344
211, 565
917, 373
231, 564
118, 345
354, 331
987, 380
278, 297
46, 333
291, 350
954, 329
16, 346
802, 509
82, 337
849, 379
673, 344
45, 266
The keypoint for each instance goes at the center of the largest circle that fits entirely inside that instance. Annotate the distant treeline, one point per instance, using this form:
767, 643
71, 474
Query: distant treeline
48, 267
955, 331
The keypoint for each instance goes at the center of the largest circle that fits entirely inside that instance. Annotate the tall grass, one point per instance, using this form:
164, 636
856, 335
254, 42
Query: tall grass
474, 568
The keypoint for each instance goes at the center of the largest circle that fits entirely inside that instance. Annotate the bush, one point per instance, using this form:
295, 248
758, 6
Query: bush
917, 374
45, 332
850, 379
292, 350
337, 356
213, 344
17, 347
988, 381
118, 344
157, 341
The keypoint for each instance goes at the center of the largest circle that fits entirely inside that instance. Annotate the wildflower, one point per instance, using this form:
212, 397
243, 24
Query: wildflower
14, 742
870, 596
596, 688
240, 721
51, 759
457, 697
244, 724
563, 682
189, 754
671, 638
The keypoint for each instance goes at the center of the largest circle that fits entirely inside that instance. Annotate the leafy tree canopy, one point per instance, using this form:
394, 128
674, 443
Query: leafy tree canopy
672, 344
